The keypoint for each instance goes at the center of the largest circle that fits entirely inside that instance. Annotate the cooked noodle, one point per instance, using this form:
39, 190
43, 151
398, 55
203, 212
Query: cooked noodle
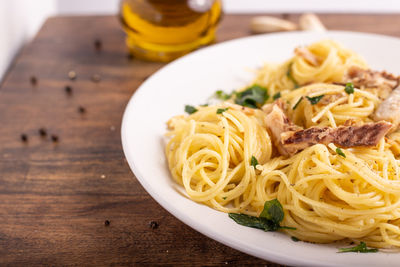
325, 196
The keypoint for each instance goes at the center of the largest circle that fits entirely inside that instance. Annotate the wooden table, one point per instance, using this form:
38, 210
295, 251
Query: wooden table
57, 197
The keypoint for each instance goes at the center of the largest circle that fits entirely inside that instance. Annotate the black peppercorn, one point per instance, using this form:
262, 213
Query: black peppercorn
129, 56
68, 89
54, 138
24, 138
97, 44
153, 225
33, 80
82, 109
42, 132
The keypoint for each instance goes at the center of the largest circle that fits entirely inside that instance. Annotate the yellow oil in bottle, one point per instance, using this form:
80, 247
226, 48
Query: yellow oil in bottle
162, 30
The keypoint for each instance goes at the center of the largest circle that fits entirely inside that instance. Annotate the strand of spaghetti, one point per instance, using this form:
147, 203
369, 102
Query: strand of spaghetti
327, 108
212, 191
331, 119
336, 209
385, 226
325, 196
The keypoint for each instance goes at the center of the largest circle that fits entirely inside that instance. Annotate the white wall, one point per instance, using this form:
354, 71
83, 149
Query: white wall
20, 19
318, 6
77, 7
251, 6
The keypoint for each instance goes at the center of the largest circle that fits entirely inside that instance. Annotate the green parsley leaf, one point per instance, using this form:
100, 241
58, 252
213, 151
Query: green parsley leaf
224, 198
362, 248
314, 100
254, 161
222, 95
221, 110
273, 211
349, 88
252, 221
295, 239
190, 109
204, 105
340, 152
290, 76
252, 97
298, 102
269, 218
277, 95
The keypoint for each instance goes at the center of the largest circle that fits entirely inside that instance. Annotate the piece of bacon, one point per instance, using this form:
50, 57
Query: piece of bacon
368, 134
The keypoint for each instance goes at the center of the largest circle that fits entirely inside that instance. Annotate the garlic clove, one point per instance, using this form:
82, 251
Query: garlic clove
311, 22
263, 24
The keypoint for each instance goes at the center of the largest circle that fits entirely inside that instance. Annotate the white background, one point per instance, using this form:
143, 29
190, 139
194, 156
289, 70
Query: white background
21, 19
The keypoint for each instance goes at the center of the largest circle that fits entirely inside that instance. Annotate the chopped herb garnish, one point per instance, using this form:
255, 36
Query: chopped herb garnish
252, 97
290, 76
277, 95
297, 103
273, 211
190, 109
269, 219
254, 161
314, 100
221, 110
295, 239
349, 88
251, 221
224, 198
340, 152
204, 105
222, 95
362, 248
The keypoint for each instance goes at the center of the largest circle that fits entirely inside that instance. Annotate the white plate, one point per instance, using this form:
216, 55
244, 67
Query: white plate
191, 80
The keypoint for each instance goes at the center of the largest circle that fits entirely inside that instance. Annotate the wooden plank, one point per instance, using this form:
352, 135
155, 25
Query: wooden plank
56, 196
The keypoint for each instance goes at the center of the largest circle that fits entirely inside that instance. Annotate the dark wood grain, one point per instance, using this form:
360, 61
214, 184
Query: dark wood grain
56, 196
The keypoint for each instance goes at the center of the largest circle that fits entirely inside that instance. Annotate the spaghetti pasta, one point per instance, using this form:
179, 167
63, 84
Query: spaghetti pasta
209, 155
333, 59
326, 196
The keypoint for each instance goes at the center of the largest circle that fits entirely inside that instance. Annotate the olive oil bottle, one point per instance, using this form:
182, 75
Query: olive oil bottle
162, 30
